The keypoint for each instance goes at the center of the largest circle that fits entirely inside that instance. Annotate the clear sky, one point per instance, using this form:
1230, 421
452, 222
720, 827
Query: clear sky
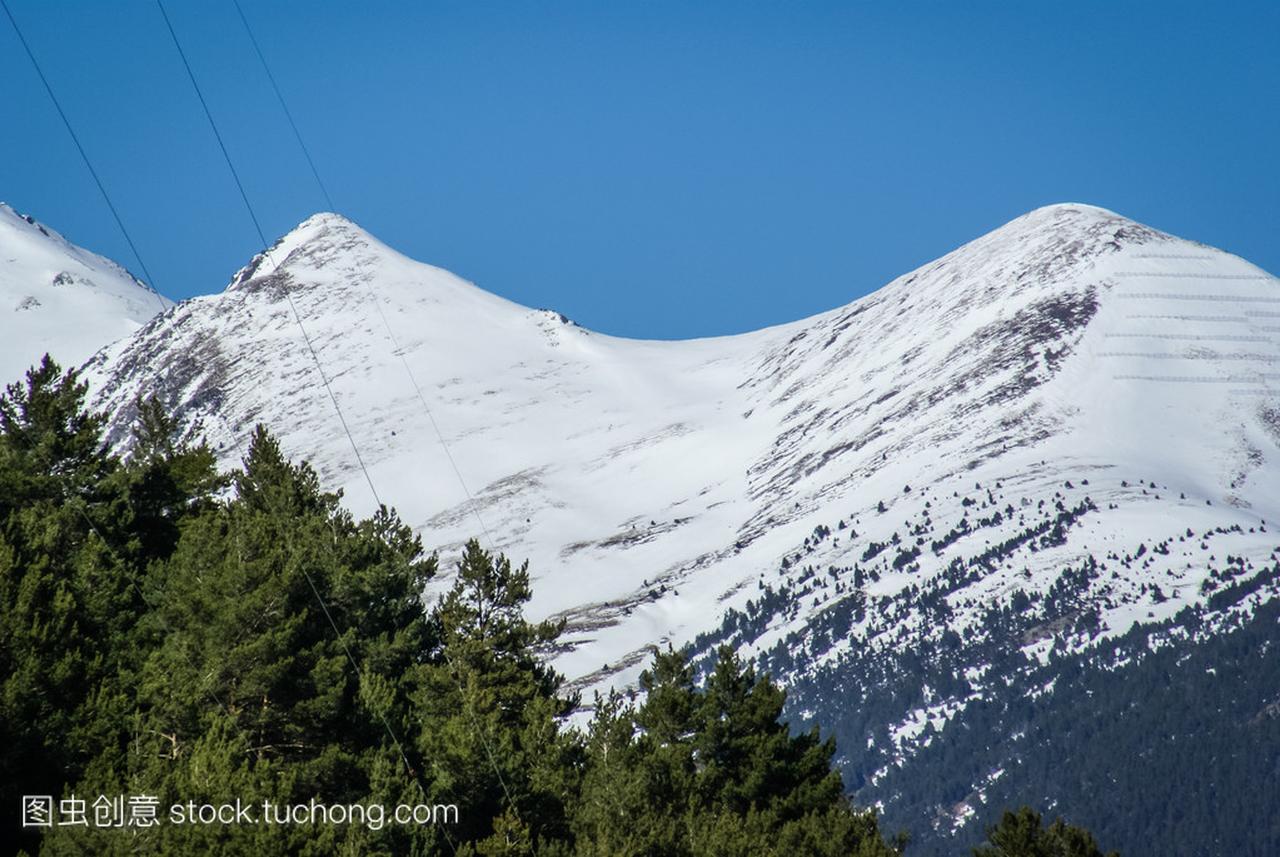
655, 169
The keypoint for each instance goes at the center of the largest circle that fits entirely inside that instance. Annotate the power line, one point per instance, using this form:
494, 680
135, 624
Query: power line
302, 328
151, 284
324, 191
80, 148
310, 347
417, 388
235, 439
143, 265
320, 369
297, 135
214, 125
377, 304
267, 251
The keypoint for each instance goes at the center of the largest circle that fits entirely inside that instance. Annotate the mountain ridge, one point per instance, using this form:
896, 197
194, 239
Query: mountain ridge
64, 299
984, 299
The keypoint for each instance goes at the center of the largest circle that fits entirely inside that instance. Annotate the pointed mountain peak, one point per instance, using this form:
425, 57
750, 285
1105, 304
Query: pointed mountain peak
334, 261
1061, 210
319, 235
326, 218
1051, 246
1081, 221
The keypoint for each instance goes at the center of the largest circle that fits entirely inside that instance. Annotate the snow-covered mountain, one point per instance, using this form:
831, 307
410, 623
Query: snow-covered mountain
1071, 344
1064, 430
59, 298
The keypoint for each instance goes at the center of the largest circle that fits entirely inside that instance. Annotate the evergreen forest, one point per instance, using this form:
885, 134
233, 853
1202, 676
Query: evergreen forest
173, 637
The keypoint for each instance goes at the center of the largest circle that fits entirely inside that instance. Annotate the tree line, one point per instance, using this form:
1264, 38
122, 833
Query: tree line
189, 636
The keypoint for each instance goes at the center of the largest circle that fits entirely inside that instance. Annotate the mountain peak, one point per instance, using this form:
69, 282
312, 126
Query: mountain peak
320, 234
333, 260
1050, 247
1072, 209
1078, 220
328, 218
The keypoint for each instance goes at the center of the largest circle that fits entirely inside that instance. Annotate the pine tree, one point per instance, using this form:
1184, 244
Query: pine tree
627, 802
747, 755
495, 746
281, 631
67, 604
1020, 833
712, 771
168, 478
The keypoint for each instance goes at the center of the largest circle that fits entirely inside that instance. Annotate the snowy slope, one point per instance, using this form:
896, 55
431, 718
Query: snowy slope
56, 297
654, 486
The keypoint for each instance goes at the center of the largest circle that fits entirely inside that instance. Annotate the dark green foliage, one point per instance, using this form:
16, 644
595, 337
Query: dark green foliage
1162, 740
1021, 834
494, 744
712, 771
168, 480
1156, 748
70, 599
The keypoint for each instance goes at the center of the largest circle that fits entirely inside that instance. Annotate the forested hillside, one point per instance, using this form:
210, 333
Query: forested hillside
175, 637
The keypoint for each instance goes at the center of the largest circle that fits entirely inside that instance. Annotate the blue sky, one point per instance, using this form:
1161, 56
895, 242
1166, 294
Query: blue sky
650, 169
